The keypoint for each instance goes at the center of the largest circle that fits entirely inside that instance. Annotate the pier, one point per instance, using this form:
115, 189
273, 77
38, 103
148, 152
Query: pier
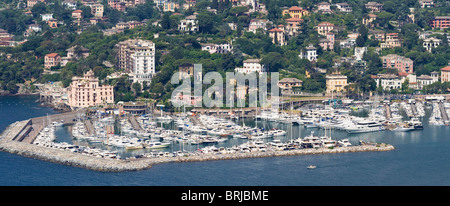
443, 113
387, 111
413, 109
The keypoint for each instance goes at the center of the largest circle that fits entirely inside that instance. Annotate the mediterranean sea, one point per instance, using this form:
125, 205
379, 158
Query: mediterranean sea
421, 158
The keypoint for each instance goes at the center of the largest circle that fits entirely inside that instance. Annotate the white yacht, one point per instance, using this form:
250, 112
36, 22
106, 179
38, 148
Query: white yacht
277, 132
344, 143
155, 144
364, 126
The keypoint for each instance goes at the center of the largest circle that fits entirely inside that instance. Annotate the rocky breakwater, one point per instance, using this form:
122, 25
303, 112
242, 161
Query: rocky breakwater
367, 147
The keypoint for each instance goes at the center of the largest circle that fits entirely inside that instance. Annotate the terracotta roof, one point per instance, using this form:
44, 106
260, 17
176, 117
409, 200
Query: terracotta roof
276, 30
287, 80
326, 24
77, 11
447, 69
294, 19
404, 74
295, 8
52, 55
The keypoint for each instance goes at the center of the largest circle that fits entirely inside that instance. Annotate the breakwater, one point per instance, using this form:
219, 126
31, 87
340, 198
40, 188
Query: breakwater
119, 165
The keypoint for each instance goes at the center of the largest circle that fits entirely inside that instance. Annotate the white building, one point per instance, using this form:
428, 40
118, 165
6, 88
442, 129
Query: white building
189, 24
70, 4
359, 52
310, 54
137, 57
143, 61
252, 65
388, 81
258, 24
46, 17
424, 80
217, 48
430, 43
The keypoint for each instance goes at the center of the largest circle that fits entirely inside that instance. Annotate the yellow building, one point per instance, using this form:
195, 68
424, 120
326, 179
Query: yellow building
336, 82
170, 6
296, 12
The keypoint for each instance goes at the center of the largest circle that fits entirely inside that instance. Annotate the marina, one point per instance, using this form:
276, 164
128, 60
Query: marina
135, 142
416, 157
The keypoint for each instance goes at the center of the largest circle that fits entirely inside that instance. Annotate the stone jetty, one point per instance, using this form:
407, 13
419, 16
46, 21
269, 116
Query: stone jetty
7, 144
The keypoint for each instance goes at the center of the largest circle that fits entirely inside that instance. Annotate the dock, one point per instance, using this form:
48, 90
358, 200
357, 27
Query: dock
134, 123
387, 111
443, 113
413, 109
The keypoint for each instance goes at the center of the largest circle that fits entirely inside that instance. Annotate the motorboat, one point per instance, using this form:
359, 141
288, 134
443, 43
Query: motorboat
344, 143
156, 144
327, 142
403, 129
364, 126
311, 167
277, 132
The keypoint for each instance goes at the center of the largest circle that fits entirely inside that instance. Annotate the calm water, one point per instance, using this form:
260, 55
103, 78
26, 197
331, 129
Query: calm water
420, 158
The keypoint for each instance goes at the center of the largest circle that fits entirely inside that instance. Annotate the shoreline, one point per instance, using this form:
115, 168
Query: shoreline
119, 165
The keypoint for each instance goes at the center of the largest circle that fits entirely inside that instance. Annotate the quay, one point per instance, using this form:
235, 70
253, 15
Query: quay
10, 142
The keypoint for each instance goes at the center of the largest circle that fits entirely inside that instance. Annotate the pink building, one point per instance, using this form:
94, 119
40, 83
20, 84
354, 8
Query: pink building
328, 43
324, 7
86, 92
51, 60
445, 74
402, 64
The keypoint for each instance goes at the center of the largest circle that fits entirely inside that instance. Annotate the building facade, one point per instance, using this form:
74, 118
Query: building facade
391, 40
310, 53
374, 6
431, 43
445, 74
296, 12
137, 57
51, 60
388, 81
394, 61
277, 36
252, 65
189, 24
86, 92
441, 22
324, 27
336, 82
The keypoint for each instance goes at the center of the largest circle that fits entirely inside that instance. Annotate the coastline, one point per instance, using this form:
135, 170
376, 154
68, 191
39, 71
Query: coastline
118, 165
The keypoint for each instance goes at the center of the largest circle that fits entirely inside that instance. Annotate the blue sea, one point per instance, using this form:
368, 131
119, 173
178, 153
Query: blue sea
421, 158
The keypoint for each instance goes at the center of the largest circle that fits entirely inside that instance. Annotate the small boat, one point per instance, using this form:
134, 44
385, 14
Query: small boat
311, 167
402, 129
156, 144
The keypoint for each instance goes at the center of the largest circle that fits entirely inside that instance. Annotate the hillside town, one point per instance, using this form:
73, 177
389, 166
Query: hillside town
96, 53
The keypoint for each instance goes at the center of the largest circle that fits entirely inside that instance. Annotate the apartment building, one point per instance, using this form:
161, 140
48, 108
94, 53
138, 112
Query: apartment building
394, 61
325, 27
137, 57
